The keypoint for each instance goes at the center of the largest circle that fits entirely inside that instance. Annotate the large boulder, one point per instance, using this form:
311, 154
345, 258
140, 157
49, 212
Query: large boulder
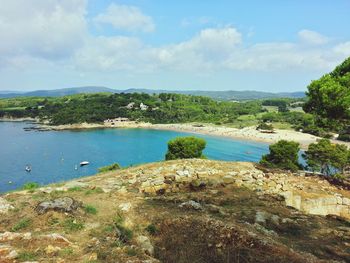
63, 204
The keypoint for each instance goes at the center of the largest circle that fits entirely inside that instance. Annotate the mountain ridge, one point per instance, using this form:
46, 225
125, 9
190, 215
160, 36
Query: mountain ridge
218, 95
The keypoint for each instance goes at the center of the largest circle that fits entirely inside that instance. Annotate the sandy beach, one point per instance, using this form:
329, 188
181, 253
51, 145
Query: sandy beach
247, 133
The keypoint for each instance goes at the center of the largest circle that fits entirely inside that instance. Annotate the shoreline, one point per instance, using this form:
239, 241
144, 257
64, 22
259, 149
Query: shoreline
246, 134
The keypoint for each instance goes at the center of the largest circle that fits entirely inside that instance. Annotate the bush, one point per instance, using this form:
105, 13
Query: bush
112, 167
185, 148
23, 223
265, 126
30, 186
71, 225
152, 229
283, 155
89, 209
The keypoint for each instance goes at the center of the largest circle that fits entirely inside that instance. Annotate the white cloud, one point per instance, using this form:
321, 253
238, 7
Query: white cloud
212, 49
312, 37
109, 53
124, 17
49, 29
53, 33
343, 48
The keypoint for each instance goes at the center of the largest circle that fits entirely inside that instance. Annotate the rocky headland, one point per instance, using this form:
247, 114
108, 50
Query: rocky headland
179, 211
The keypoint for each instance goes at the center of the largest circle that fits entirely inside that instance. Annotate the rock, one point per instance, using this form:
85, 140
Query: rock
7, 253
145, 245
346, 201
74, 184
261, 217
8, 236
51, 250
57, 237
63, 204
197, 184
5, 206
228, 179
191, 205
125, 207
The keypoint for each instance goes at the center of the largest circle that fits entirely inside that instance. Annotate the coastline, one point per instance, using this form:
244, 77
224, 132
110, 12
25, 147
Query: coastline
247, 133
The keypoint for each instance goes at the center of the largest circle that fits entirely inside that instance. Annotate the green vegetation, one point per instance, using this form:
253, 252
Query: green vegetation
25, 256
112, 167
152, 229
31, 186
185, 148
283, 155
71, 225
326, 157
22, 224
89, 209
96, 190
265, 126
328, 98
124, 233
95, 108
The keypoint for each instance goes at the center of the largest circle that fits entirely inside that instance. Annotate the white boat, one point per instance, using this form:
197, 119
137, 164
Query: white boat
84, 163
28, 168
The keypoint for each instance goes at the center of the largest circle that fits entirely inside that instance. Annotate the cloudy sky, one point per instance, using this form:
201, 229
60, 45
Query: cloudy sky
267, 45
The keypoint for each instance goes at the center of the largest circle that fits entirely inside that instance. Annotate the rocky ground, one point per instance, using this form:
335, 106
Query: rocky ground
179, 211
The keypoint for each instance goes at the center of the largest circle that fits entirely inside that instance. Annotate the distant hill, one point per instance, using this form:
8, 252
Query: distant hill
218, 95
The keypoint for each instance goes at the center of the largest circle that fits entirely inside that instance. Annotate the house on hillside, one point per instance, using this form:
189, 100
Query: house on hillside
130, 106
143, 106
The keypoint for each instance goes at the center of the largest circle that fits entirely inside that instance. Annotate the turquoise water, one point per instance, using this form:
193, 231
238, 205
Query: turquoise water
53, 155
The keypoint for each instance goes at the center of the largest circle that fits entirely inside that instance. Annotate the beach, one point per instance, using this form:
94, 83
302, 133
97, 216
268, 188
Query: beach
247, 133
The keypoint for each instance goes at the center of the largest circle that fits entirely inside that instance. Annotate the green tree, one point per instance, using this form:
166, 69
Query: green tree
327, 157
283, 154
329, 96
185, 148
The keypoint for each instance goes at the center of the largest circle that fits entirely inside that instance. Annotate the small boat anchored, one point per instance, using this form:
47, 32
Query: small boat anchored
28, 168
84, 163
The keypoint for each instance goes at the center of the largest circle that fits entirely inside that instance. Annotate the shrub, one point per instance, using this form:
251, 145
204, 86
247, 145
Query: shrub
326, 157
23, 223
124, 233
89, 209
283, 155
112, 167
152, 229
185, 148
26, 256
71, 224
30, 186
265, 126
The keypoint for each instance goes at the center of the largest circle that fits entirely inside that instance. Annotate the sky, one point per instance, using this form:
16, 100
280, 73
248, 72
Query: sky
271, 45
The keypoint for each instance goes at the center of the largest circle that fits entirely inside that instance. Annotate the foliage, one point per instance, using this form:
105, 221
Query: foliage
185, 148
71, 225
283, 108
26, 256
152, 229
96, 190
23, 223
265, 126
89, 209
124, 233
326, 157
30, 186
329, 96
95, 108
283, 154
112, 167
